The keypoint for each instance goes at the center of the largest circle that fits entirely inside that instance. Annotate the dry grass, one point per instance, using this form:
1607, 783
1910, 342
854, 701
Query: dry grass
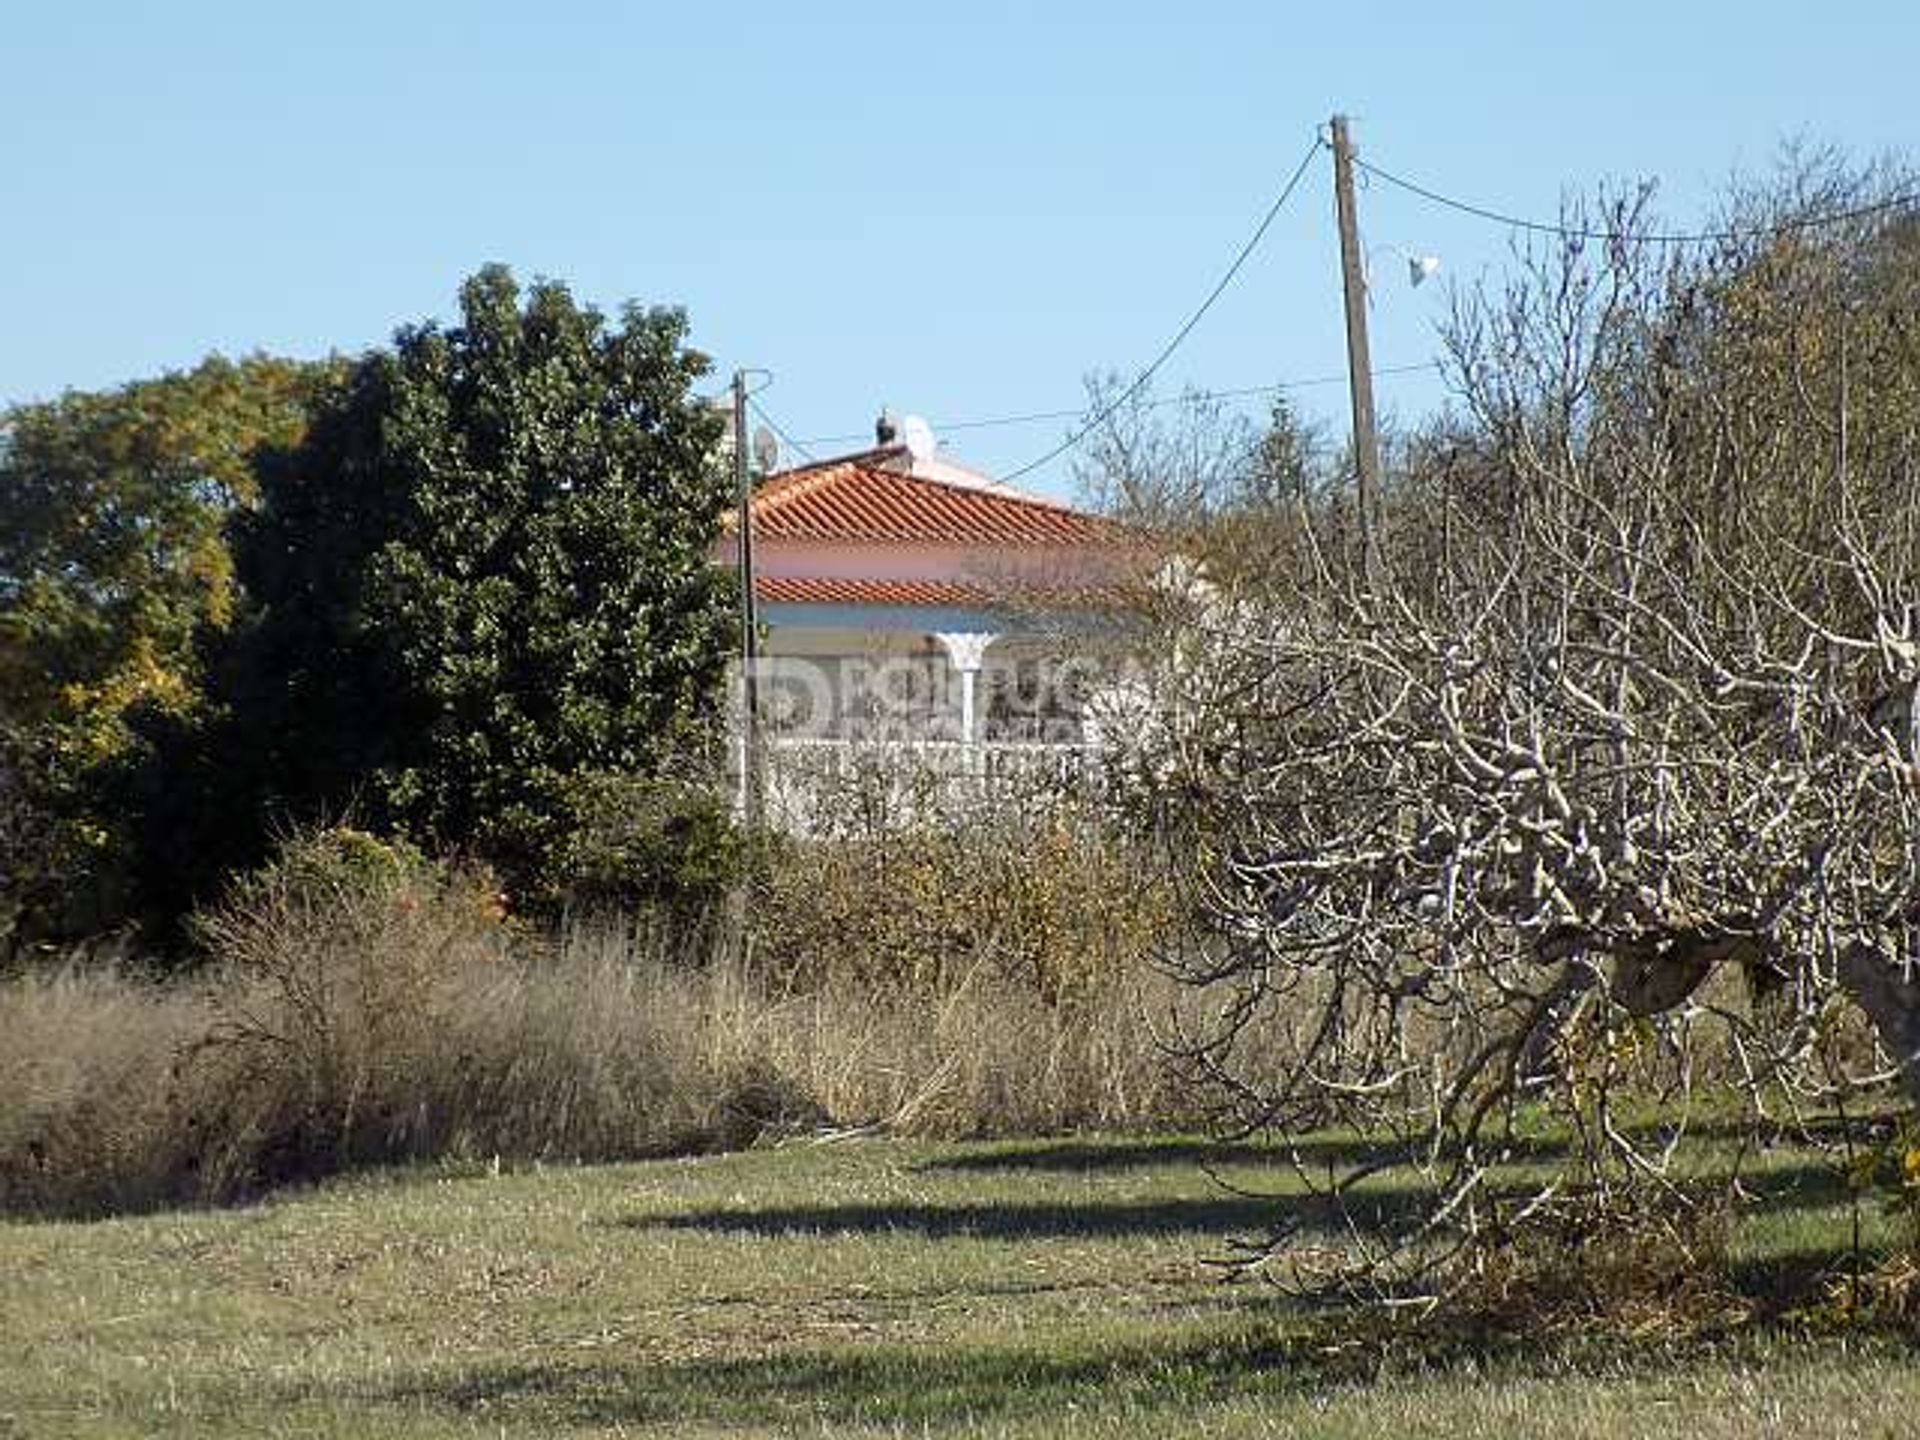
363, 1008
88, 1062
985, 1057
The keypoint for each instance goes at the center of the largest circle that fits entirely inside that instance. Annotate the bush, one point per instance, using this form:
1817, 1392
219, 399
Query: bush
666, 843
53, 884
1050, 902
1654, 1264
334, 969
483, 575
23, 831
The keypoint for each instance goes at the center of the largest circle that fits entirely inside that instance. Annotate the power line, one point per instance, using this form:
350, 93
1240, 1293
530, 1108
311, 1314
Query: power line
1467, 207
1191, 397
1286, 193
1574, 232
774, 425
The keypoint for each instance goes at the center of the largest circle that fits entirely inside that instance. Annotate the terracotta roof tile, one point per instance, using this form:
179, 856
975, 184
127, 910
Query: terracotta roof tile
821, 590
865, 497
825, 590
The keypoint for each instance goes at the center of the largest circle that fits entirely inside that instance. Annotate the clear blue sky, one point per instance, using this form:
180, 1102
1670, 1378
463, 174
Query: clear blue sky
957, 210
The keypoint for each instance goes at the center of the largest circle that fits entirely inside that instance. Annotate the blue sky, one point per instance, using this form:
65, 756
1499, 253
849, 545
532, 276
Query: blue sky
958, 210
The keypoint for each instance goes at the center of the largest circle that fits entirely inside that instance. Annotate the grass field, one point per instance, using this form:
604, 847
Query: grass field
864, 1288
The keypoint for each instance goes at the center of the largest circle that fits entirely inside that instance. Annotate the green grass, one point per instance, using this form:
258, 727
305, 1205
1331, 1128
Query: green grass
873, 1288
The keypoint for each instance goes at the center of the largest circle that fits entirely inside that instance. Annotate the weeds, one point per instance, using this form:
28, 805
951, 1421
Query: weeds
89, 1119
362, 1005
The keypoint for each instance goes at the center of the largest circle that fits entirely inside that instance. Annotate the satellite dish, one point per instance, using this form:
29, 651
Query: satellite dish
766, 450
918, 436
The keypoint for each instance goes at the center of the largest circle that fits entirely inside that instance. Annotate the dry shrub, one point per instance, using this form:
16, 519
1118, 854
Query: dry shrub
1649, 1265
373, 1007
333, 973
1885, 1294
617, 1044
1884, 1173
1050, 900
986, 972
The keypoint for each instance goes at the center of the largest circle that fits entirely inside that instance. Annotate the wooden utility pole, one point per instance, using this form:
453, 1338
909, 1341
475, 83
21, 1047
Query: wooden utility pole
749, 616
1366, 433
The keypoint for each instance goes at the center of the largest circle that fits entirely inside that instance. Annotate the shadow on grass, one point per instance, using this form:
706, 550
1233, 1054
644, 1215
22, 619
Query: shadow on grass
1314, 1153
1785, 1281
1318, 1151
1809, 1185
1078, 1157
890, 1386
911, 1389
1384, 1204
1213, 1217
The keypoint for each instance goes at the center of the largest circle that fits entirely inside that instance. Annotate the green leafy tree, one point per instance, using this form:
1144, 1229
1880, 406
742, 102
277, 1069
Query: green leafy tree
112, 556
111, 548
481, 582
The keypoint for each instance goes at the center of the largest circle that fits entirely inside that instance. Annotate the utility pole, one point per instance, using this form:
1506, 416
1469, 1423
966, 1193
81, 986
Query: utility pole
1366, 433
749, 618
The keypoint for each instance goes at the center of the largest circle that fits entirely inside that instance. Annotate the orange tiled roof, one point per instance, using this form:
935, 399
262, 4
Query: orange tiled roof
875, 496
826, 590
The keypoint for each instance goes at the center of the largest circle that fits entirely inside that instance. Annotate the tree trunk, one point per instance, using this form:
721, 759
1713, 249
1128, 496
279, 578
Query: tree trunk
1890, 995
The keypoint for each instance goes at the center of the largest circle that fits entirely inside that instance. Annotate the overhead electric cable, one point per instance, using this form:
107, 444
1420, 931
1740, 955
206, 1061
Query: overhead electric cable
1191, 397
1286, 193
774, 425
1575, 232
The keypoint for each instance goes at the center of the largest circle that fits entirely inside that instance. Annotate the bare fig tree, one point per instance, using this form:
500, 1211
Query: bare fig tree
1618, 759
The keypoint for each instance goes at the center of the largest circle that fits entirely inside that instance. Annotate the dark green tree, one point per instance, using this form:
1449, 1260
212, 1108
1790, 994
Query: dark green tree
482, 583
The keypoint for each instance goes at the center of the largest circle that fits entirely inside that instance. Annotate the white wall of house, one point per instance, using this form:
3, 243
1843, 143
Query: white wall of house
860, 682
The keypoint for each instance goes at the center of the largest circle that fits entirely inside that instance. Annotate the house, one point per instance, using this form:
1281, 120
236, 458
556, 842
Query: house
916, 609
